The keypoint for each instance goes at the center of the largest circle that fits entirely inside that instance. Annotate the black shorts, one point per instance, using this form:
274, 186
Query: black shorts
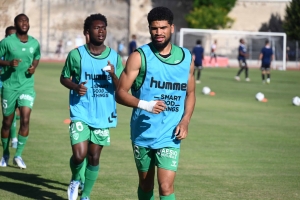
265, 67
242, 63
198, 66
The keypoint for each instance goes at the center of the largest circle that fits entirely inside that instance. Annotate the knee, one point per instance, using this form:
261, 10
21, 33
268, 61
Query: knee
6, 123
24, 121
166, 188
147, 186
78, 158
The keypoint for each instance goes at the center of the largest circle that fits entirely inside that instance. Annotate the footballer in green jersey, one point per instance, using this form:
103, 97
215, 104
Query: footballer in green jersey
21, 54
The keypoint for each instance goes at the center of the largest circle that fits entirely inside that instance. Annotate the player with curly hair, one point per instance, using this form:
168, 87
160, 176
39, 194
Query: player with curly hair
91, 74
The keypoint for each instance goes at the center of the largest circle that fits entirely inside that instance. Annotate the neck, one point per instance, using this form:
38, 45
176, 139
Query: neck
96, 49
166, 50
22, 36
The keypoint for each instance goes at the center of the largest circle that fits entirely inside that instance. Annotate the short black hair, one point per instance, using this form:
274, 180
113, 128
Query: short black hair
19, 15
198, 42
267, 41
9, 28
160, 14
89, 20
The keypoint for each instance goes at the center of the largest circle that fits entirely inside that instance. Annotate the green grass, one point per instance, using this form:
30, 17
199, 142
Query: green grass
237, 148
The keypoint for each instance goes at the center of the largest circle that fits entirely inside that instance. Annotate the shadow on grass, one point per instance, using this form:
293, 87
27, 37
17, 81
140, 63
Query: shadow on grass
30, 191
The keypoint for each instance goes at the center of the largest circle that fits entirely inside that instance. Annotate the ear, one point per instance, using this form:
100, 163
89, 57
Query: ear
172, 28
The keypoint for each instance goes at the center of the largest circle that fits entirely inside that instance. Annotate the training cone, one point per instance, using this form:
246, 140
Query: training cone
212, 93
67, 121
264, 100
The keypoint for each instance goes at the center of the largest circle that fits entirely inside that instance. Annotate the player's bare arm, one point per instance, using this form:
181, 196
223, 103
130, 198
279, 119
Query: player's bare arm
33, 66
127, 78
12, 63
111, 72
182, 128
79, 88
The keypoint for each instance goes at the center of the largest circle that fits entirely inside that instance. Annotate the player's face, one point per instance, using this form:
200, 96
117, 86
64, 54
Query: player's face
22, 24
161, 32
97, 32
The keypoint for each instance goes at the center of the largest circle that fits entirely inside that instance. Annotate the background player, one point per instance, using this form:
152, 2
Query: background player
198, 57
21, 57
213, 54
266, 56
242, 54
159, 75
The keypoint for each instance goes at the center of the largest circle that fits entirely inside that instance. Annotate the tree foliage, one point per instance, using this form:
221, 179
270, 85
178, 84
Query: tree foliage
291, 22
210, 14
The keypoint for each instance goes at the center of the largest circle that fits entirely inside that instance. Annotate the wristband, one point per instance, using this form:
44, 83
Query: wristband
146, 105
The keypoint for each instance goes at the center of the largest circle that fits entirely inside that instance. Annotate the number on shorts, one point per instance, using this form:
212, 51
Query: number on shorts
4, 103
79, 126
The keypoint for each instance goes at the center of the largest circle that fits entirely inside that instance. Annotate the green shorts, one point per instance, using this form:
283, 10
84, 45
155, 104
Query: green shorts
12, 99
146, 158
80, 131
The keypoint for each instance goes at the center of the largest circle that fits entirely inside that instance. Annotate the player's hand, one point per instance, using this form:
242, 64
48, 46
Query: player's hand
181, 131
159, 107
14, 62
31, 69
81, 89
112, 68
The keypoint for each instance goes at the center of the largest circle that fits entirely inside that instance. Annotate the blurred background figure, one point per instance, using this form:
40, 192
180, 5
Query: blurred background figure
58, 51
132, 44
198, 57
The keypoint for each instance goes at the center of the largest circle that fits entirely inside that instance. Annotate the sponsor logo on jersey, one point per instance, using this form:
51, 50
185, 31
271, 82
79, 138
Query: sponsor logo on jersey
167, 85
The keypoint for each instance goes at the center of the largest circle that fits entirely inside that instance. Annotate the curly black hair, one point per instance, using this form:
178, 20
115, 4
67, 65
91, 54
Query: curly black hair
88, 21
160, 14
19, 15
9, 28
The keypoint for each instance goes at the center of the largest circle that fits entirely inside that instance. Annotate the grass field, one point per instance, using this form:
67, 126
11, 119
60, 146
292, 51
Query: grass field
237, 148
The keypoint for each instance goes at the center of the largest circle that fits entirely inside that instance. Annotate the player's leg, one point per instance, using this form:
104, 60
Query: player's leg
196, 72
241, 65
98, 139
263, 72
25, 103
246, 71
9, 99
216, 61
167, 160
22, 136
13, 132
6, 123
145, 164
79, 136
268, 69
92, 169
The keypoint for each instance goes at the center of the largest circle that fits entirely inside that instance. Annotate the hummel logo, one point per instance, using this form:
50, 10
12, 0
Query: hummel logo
21, 143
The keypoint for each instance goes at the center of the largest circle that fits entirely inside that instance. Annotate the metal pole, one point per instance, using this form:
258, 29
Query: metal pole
41, 27
23, 6
48, 24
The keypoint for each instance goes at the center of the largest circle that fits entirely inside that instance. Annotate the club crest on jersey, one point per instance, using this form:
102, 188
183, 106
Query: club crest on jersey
31, 49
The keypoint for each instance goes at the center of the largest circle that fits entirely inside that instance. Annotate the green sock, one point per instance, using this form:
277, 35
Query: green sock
91, 175
82, 171
5, 144
169, 197
145, 195
75, 170
21, 144
13, 132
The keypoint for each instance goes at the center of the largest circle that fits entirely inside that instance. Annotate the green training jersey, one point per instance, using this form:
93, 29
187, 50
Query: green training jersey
17, 78
72, 66
176, 57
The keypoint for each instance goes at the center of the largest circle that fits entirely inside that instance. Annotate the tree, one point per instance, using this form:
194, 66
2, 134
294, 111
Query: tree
210, 14
291, 22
